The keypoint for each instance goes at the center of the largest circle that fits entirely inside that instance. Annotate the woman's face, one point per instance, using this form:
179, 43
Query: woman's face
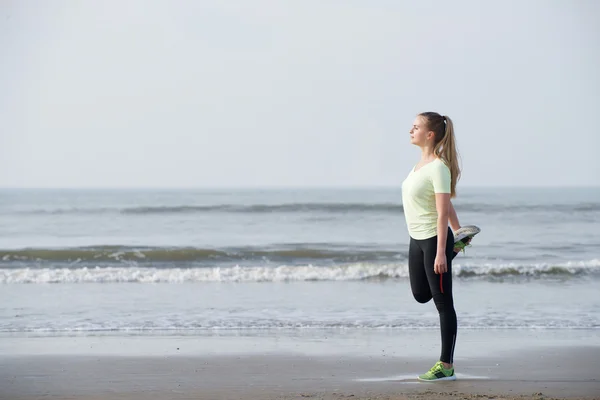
419, 134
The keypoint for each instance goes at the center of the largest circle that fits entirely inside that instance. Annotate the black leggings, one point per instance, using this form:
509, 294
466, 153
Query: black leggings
426, 284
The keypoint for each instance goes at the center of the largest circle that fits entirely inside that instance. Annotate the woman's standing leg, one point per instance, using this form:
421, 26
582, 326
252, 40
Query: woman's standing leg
441, 290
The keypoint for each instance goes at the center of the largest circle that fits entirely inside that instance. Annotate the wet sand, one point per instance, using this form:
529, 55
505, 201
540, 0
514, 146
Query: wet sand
542, 372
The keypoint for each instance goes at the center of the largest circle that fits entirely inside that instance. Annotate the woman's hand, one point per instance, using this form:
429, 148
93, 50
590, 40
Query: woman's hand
458, 249
440, 266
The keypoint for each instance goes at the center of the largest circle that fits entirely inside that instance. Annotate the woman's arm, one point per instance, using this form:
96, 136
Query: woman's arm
442, 204
453, 218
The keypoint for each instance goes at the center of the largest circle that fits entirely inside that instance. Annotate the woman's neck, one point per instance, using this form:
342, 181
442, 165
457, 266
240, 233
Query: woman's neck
427, 154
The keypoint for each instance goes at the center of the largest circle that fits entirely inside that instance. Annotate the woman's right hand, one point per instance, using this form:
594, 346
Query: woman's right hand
440, 265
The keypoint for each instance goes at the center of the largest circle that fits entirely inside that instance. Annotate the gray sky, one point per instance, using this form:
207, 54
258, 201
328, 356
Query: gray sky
294, 93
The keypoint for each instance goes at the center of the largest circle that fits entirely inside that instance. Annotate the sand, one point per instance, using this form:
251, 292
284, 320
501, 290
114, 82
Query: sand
285, 372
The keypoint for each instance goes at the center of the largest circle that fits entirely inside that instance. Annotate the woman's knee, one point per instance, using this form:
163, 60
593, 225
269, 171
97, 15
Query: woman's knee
422, 297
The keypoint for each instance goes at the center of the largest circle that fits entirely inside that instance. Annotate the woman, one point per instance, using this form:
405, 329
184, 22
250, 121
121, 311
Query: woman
426, 194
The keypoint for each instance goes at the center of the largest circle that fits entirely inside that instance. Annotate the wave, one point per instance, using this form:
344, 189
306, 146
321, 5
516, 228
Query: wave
190, 254
228, 208
351, 272
259, 327
570, 268
216, 274
313, 207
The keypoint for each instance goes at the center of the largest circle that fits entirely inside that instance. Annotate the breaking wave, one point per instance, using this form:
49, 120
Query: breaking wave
171, 255
284, 273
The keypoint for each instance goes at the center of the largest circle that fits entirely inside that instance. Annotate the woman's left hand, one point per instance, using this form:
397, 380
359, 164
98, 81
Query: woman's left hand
458, 249
440, 266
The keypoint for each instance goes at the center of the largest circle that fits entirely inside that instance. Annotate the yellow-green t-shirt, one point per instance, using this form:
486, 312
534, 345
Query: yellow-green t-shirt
418, 198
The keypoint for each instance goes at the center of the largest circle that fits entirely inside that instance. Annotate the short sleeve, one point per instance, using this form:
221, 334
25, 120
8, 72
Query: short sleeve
441, 179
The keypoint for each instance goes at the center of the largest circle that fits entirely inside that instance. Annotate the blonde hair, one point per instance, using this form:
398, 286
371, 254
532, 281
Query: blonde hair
445, 144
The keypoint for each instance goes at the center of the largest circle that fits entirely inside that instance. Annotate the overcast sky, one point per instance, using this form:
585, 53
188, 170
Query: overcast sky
215, 93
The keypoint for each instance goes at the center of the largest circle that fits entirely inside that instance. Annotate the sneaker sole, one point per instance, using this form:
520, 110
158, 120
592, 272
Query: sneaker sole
448, 378
466, 232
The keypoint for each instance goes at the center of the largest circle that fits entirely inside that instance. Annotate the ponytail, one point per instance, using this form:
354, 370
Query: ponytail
446, 151
445, 145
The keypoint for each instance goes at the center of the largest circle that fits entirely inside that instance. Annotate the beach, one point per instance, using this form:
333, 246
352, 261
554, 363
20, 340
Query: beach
286, 366
290, 294
259, 200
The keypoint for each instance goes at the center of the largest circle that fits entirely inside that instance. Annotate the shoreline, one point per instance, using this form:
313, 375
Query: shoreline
316, 365
564, 374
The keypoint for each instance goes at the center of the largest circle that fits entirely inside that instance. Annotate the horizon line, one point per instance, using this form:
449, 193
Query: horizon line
290, 187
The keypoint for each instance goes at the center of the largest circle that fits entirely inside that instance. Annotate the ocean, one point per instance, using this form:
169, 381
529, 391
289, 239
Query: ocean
146, 262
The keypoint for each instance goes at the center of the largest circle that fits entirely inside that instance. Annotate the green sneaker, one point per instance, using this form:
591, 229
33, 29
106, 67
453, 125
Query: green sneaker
463, 236
438, 373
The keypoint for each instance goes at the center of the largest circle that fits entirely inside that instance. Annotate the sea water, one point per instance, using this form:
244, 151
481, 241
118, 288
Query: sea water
204, 261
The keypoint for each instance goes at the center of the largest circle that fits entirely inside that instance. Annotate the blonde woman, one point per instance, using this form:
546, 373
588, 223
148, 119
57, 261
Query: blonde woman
426, 194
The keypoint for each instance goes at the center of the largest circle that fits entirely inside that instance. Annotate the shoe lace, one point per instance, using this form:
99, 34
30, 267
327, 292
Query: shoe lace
437, 367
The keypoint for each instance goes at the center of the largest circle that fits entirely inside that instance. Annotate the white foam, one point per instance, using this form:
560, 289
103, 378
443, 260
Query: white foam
570, 267
352, 272
412, 378
217, 274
